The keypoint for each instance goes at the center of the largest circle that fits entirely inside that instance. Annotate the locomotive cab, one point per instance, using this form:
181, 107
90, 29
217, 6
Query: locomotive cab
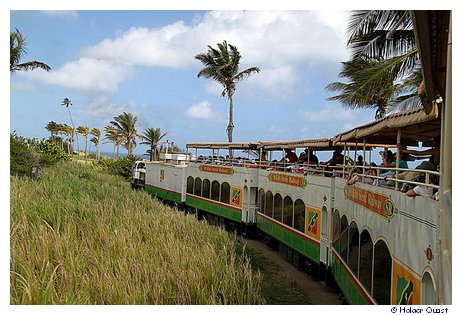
138, 175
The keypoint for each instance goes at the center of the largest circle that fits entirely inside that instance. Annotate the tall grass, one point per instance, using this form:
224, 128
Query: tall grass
80, 236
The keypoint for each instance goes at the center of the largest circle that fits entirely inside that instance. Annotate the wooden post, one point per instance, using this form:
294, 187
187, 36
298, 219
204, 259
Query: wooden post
398, 156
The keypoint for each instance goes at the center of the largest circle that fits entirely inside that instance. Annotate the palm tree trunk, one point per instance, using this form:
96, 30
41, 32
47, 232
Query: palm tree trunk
230, 123
73, 127
86, 141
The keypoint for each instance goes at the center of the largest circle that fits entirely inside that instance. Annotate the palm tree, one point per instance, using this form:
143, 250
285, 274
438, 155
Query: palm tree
18, 50
53, 128
69, 132
222, 65
152, 137
365, 89
125, 126
67, 102
383, 53
84, 131
96, 140
112, 135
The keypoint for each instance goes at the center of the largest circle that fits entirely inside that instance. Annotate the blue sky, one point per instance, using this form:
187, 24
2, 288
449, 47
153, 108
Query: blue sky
142, 62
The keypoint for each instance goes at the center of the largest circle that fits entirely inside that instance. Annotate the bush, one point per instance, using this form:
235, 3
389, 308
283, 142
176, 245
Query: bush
119, 166
23, 158
50, 153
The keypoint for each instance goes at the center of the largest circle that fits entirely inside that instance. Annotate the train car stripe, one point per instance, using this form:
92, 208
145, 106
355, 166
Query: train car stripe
355, 281
291, 230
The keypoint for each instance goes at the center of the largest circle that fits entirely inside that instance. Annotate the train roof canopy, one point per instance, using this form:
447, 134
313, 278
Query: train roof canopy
222, 145
414, 123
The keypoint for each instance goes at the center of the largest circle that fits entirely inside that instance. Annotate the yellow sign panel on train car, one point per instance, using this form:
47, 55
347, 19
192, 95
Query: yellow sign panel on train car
287, 179
236, 197
313, 222
406, 287
217, 169
375, 202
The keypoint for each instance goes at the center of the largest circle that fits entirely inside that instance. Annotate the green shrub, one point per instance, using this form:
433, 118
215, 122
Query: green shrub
119, 166
50, 153
23, 158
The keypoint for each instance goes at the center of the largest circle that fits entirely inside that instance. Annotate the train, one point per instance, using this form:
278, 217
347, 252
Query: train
367, 236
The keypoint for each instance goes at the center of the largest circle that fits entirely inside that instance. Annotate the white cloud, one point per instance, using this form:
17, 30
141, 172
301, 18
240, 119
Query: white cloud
330, 113
69, 15
84, 74
203, 110
276, 41
269, 37
104, 107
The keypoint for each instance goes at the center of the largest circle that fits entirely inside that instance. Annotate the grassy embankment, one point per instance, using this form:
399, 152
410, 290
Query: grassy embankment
80, 236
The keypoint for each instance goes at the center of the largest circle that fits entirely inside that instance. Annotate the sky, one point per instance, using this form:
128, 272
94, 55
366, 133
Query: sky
142, 62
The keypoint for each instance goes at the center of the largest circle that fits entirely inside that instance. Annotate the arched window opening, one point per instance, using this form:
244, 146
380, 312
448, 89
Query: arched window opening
269, 204
261, 201
225, 193
215, 191
365, 260
381, 291
206, 189
190, 185
197, 186
344, 238
299, 215
353, 248
278, 207
428, 295
336, 231
288, 211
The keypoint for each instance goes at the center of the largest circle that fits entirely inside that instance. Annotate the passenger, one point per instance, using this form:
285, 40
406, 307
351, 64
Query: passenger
360, 160
337, 157
313, 159
354, 176
389, 160
303, 158
291, 156
421, 190
432, 153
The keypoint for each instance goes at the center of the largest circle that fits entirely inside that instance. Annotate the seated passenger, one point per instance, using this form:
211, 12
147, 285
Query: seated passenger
389, 160
337, 157
354, 176
313, 159
303, 158
291, 156
421, 190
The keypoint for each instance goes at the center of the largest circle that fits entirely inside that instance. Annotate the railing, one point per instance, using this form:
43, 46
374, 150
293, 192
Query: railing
344, 171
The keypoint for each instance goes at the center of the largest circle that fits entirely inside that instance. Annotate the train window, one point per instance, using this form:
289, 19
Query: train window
382, 273
428, 296
353, 248
190, 185
206, 189
299, 215
261, 201
336, 227
278, 207
344, 238
197, 186
288, 211
365, 260
215, 191
269, 204
225, 191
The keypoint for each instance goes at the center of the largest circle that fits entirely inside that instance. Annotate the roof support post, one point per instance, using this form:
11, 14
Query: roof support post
398, 156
